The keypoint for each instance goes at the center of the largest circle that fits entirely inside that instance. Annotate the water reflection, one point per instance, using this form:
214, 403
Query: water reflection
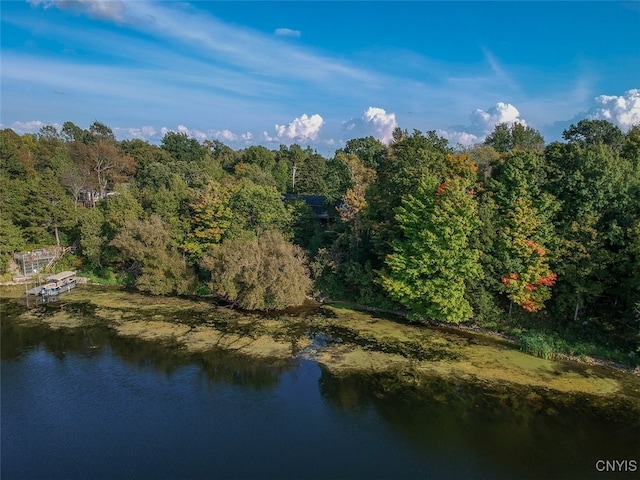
77, 399
217, 366
517, 434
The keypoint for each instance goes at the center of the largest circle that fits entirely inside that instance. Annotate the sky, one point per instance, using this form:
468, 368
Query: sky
317, 73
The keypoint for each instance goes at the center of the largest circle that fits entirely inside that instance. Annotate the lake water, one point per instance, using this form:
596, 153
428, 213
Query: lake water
86, 404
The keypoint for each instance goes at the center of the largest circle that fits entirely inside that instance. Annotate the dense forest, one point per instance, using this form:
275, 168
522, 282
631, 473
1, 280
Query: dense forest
538, 240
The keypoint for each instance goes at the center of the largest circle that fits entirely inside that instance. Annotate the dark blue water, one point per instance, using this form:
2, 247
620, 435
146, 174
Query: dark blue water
84, 405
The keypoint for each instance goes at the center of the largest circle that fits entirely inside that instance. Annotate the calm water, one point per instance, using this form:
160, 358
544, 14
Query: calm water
83, 404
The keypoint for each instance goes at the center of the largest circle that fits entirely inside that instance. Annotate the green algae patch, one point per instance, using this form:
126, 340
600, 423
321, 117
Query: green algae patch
342, 359
55, 320
454, 355
152, 330
343, 341
519, 368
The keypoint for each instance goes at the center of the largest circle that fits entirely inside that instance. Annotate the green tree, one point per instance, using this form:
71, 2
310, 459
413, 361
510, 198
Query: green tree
430, 263
262, 273
516, 136
119, 208
369, 150
258, 208
598, 183
92, 238
584, 266
311, 175
183, 148
210, 218
11, 241
157, 267
525, 229
594, 132
409, 158
10, 161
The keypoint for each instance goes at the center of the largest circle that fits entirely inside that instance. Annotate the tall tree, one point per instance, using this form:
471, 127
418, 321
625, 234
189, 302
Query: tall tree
431, 261
516, 136
594, 132
182, 147
409, 158
525, 229
92, 238
210, 218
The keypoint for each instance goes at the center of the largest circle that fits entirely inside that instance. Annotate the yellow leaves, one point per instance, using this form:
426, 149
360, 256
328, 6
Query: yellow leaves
210, 214
461, 165
353, 203
360, 174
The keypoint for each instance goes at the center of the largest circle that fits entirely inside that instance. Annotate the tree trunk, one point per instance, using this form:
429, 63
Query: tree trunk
575, 313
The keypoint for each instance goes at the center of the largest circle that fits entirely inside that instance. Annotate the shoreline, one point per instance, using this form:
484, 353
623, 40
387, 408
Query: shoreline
377, 340
473, 329
401, 360
513, 340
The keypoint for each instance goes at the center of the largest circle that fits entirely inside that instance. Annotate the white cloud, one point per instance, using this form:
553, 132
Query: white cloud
462, 138
500, 113
482, 124
104, 9
146, 132
222, 135
265, 137
623, 110
382, 123
27, 127
374, 121
287, 32
225, 135
32, 126
300, 129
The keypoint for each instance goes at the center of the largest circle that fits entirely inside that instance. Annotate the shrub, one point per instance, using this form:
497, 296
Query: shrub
261, 273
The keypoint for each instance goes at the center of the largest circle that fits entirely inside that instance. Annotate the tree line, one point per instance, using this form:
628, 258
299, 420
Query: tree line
512, 230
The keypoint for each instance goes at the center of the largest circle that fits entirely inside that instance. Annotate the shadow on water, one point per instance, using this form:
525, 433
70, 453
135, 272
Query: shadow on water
510, 429
218, 365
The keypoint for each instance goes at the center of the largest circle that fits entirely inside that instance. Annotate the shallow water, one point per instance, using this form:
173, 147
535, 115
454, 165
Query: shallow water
86, 403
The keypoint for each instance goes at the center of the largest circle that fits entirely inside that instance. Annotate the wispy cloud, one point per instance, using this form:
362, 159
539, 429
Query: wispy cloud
147, 64
499, 71
103, 9
287, 32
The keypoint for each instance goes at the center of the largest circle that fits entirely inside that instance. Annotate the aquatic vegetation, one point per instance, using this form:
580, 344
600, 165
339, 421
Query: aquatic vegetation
345, 342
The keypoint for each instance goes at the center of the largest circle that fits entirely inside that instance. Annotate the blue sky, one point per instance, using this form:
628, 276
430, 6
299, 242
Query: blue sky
317, 73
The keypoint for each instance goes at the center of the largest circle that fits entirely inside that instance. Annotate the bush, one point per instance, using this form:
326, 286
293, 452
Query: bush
262, 273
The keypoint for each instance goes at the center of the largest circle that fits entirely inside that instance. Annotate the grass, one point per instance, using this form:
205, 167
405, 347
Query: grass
539, 344
551, 345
